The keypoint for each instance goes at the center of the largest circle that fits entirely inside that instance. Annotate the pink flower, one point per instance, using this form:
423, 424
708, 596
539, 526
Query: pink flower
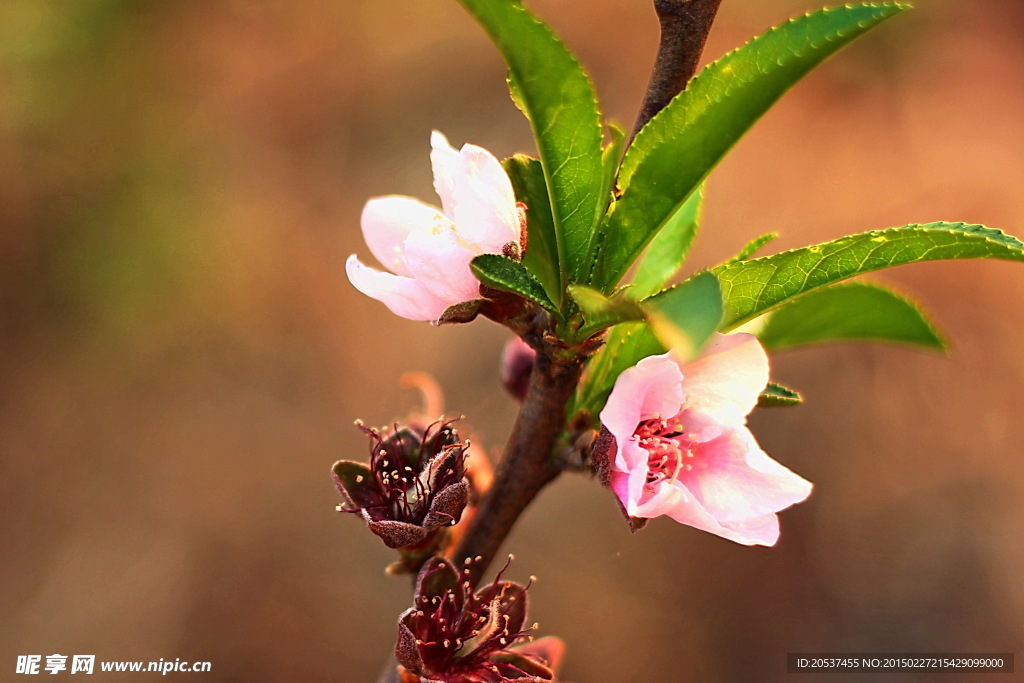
677, 444
428, 250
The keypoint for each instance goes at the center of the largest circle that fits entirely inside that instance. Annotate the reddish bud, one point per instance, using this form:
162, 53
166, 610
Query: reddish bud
517, 362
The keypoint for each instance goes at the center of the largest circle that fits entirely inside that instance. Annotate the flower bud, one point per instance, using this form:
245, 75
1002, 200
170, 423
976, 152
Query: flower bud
517, 361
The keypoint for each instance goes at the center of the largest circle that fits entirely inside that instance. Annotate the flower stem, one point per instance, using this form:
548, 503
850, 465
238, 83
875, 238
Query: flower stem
685, 25
526, 465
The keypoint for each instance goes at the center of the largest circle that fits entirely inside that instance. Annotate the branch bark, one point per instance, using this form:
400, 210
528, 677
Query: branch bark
526, 465
685, 25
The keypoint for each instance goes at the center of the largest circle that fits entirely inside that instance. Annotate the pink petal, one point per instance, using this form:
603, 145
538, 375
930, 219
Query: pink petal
730, 488
672, 500
757, 531
619, 484
700, 427
637, 478
631, 457
667, 499
440, 263
651, 387
404, 296
388, 221
725, 381
485, 212
444, 159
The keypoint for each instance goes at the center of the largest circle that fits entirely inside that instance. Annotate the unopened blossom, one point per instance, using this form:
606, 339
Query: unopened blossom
674, 442
427, 250
452, 634
414, 484
517, 361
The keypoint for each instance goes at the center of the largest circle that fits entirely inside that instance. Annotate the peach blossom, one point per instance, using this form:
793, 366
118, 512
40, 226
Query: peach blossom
426, 250
682, 448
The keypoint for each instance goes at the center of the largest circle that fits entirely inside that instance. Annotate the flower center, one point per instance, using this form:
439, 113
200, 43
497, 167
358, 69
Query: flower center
667, 446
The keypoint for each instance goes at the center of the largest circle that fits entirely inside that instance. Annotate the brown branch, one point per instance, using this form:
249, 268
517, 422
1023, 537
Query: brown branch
685, 25
526, 465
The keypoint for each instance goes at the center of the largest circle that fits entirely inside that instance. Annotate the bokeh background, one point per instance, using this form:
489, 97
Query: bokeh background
182, 358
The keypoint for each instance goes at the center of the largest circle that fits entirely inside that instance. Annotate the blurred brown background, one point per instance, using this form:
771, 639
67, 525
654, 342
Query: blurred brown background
182, 357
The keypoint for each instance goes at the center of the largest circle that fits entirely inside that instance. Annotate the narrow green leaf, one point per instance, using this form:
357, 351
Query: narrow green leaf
559, 101
626, 346
754, 246
610, 159
600, 311
677, 149
667, 251
507, 275
685, 316
753, 287
853, 311
541, 257
778, 396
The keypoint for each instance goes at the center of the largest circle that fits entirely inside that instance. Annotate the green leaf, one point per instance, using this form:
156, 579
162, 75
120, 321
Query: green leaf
611, 157
600, 312
507, 275
685, 316
558, 99
610, 160
847, 312
754, 246
626, 346
777, 396
541, 257
677, 149
667, 251
753, 287
682, 318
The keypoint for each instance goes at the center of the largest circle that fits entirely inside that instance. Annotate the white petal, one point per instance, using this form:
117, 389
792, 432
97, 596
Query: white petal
388, 221
441, 264
485, 211
726, 380
444, 159
404, 296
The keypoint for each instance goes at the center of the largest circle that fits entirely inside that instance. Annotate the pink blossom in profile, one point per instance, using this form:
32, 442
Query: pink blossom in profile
427, 250
676, 444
